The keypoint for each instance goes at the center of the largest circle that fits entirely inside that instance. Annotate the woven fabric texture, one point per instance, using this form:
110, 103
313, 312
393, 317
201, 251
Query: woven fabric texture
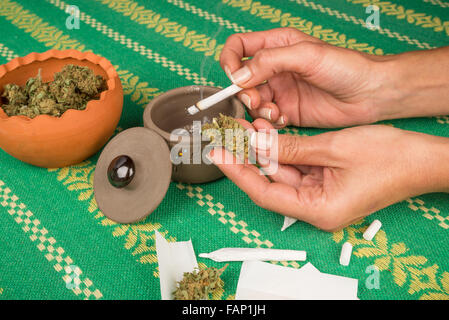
56, 244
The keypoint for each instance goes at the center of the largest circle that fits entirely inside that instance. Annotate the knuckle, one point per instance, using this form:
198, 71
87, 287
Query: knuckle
313, 53
263, 56
289, 148
234, 37
334, 144
311, 47
291, 30
258, 200
231, 44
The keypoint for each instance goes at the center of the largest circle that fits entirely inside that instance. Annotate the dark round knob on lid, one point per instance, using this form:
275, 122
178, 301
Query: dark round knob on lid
121, 171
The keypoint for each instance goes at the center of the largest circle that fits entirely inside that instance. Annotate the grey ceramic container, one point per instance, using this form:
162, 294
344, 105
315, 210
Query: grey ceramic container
167, 112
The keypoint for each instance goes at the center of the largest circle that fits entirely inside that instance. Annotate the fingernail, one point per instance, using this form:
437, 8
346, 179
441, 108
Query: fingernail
265, 113
281, 121
209, 156
228, 73
246, 100
241, 75
261, 141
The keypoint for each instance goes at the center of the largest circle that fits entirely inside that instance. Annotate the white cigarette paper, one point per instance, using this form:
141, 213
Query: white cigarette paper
261, 254
288, 221
214, 99
174, 259
266, 281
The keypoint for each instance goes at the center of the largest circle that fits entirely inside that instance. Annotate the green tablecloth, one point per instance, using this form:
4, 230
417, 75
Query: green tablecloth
51, 229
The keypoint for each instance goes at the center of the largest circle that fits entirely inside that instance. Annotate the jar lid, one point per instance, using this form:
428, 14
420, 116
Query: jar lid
132, 175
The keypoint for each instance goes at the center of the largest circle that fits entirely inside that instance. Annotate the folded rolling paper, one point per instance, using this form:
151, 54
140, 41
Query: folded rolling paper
174, 259
288, 222
266, 281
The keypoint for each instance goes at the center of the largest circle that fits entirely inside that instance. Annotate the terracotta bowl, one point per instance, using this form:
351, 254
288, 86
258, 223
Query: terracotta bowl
52, 142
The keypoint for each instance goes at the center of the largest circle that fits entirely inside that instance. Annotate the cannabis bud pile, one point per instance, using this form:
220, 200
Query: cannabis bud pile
227, 132
71, 88
199, 284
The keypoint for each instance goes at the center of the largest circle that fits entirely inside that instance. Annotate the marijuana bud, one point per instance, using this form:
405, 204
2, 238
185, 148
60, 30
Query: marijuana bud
227, 132
199, 284
72, 88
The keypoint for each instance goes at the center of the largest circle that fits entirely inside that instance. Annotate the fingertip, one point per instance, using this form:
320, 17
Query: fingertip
228, 72
246, 124
250, 98
216, 156
262, 124
230, 62
281, 122
269, 111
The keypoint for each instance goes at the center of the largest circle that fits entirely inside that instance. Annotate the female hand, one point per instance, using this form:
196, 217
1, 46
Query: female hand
314, 84
333, 179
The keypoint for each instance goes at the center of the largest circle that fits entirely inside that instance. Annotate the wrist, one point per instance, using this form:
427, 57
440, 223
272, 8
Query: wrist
433, 164
414, 84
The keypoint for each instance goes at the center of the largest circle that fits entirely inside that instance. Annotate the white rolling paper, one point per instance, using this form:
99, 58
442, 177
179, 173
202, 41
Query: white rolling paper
174, 259
288, 222
261, 254
261, 280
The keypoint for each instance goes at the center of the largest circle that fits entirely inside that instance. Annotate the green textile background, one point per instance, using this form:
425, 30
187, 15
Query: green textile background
52, 231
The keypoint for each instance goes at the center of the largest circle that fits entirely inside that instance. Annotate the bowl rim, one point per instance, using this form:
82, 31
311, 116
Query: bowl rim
18, 62
148, 119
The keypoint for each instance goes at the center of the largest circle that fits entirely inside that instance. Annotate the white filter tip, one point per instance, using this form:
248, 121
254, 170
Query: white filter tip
346, 252
193, 110
370, 233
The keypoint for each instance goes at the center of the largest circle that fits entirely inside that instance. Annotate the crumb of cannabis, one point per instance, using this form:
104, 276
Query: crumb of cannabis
199, 284
72, 88
229, 133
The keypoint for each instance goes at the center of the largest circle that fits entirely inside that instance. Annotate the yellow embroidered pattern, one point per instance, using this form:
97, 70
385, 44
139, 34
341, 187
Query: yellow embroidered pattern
133, 244
79, 178
361, 22
7, 53
41, 31
432, 213
139, 238
440, 3
167, 28
412, 17
140, 92
443, 119
209, 16
137, 47
45, 243
412, 272
207, 201
286, 20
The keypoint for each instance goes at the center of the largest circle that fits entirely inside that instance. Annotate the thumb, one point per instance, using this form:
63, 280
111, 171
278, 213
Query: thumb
301, 58
295, 150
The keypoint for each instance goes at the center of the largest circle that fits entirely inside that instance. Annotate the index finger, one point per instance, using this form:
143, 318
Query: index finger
242, 45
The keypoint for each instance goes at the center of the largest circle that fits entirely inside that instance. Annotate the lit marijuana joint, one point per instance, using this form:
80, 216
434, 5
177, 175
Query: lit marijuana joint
199, 284
72, 88
227, 132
